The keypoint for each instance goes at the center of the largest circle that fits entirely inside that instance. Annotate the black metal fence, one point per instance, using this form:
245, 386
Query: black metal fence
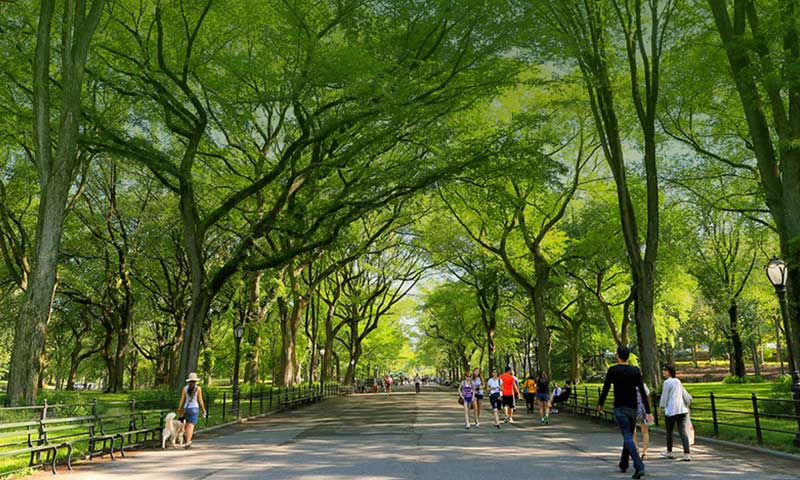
76, 424
769, 422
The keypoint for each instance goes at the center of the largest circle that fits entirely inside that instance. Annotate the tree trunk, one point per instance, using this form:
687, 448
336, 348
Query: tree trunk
737, 349
540, 318
575, 358
645, 325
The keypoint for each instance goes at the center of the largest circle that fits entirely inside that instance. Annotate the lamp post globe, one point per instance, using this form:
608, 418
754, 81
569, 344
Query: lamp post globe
777, 272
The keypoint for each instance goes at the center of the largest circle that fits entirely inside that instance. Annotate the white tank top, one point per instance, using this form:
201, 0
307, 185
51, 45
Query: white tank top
190, 402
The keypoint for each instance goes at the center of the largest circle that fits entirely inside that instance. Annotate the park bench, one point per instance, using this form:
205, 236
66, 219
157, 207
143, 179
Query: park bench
12, 435
138, 432
68, 431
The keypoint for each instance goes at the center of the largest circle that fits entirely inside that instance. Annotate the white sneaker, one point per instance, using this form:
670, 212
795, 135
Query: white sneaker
505, 420
466, 426
687, 458
477, 424
511, 420
667, 454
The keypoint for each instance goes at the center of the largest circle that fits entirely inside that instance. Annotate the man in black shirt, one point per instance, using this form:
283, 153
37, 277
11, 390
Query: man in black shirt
626, 380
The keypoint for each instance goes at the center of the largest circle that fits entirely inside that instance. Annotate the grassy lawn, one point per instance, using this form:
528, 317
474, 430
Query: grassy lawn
114, 410
735, 417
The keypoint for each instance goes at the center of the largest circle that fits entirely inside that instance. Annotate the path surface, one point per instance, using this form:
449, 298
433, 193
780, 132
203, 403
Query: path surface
409, 436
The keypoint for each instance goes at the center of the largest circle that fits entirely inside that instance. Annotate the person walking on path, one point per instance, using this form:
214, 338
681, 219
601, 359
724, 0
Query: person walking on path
675, 401
190, 405
641, 420
477, 386
495, 386
510, 391
543, 397
417, 384
529, 393
626, 379
467, 394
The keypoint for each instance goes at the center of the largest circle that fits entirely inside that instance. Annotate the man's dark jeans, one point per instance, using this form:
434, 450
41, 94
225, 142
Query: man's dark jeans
626, 419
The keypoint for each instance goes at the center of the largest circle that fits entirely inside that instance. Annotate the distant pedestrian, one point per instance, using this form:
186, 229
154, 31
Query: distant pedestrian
529, 393
543, 397
510, 391
467, 394
556, 393
190, 405
626, 379
675, 401
477, 386
417, 383
495, 386
641, 420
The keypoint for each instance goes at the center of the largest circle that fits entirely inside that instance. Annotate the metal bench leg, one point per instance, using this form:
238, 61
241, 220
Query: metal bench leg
69, 457
55, 457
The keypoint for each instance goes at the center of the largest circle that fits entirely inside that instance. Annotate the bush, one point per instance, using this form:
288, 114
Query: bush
748, 379
781, 390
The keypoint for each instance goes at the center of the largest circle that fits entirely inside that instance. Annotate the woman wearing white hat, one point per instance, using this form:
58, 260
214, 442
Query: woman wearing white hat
191, 403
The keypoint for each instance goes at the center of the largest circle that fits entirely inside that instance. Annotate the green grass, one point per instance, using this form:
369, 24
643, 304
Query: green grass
738, 416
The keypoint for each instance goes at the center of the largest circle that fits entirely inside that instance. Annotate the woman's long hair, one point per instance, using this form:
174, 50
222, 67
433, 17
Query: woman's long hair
480, 375
542, 375
190, 388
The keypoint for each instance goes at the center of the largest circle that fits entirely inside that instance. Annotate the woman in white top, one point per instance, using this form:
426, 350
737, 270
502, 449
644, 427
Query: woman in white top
191, 403
477, 386
675, 401
495, 386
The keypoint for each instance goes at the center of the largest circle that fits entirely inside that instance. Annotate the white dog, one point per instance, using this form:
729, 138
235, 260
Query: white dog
173, 430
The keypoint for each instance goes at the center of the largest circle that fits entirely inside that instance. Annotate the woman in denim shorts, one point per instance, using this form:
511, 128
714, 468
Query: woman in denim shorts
190, 406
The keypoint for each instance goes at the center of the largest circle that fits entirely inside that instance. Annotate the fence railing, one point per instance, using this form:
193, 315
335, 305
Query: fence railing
23, 428
764, 421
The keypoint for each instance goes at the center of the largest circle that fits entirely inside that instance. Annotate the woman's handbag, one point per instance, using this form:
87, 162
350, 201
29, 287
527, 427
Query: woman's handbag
689, 429
461, 400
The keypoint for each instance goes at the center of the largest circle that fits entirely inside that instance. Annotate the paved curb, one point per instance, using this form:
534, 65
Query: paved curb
752, 448
247, 419
711, 441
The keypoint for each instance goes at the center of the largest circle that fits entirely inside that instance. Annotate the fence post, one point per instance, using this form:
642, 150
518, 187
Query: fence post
759, 436
261, 400
250, 412
654, 407
586, 396
271, 394
714, 414
224, 401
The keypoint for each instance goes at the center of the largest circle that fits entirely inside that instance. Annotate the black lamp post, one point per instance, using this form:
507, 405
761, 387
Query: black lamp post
777, 273
321, 372
238, 333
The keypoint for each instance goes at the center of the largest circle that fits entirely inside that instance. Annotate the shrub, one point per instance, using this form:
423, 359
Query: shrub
747, 379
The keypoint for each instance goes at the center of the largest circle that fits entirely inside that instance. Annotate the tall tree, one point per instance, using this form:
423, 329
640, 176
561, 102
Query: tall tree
762, 45
56, 157
644, 27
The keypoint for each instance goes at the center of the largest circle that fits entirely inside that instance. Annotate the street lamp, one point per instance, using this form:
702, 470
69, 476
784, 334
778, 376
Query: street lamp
322, 372
777, 273
238, 333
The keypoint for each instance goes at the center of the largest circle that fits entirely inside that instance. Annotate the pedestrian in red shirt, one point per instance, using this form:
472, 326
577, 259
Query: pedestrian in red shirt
510, 392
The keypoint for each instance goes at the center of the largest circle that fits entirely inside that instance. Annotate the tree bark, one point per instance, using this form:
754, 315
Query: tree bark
737, 349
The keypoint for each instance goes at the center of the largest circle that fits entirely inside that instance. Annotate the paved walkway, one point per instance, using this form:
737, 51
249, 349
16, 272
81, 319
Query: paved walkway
409, 436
